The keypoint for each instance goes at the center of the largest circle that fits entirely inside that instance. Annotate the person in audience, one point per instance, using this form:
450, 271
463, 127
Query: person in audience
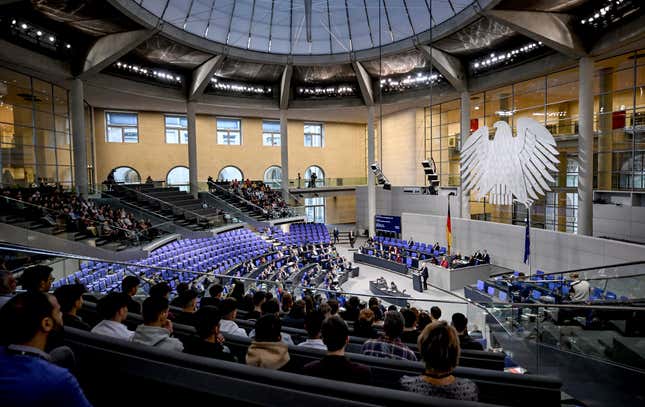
439, 347
228, 308
259, 297
376, 308
208, 342
272, 306
435, 313
287, 303
363, 327
156, 328
160, 290
267, 349
113, 308
296, 317
70, 298
27, 376
37, 278
313, 325
580, 289
7, 286
351, 309
392, 308
410, 333
181, 288
237, 292
215, 291
333, 307
460, 323
424, 319
334, 365
130, 286
187, 301
389, 346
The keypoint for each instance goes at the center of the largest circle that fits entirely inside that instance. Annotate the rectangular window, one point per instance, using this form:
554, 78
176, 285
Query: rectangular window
270, 133
315, 209
122, 127
314, 135
229, 131
176, 130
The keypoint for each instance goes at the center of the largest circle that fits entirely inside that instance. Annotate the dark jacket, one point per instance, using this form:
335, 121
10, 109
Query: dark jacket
466, 342
134, 306
75, 322
339, 368
197, 346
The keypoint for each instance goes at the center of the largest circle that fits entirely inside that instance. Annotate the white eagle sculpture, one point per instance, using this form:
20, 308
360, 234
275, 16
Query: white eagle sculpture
507, 166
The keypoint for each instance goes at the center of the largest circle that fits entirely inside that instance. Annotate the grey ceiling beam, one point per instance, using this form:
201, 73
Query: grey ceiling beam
109, 48
364, 83
448, 65
308, 19
285, 86
555, 30
623, 35
202, 75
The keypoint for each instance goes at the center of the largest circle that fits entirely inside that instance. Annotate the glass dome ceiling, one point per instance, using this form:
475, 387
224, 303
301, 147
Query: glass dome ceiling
282, 26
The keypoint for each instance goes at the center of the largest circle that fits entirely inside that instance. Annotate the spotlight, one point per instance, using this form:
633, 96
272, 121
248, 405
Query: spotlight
51, 38
68, 46
24, 26
430, 171
380, 177
39, 33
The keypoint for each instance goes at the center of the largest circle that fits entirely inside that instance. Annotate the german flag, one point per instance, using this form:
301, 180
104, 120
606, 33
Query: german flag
448, 230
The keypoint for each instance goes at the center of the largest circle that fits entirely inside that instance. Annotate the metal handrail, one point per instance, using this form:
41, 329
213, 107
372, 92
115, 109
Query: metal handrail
207, 274
165, 202
631, 263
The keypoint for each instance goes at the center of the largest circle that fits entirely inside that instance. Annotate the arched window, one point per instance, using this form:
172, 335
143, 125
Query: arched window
179, 177
320, 176
230, 173
126, 175
273, 176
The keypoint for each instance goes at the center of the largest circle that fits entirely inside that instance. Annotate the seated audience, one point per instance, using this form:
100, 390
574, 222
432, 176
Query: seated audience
181, 288
267, 349
7, 286
70, 298
208, 342
37, 278
389, 346
363, 327
435, 313
460, 323
410, 333
296, 317
272, 306
113, 308
313, 325
335, 365
27, 377
130, 286
156, 328
215, 291
424, 319
333, 307
160, 290
287, 303
352, 309
228, 308
259, 297
187, 301
439, 347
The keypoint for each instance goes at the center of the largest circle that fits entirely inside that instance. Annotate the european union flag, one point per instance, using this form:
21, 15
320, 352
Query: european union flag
527, 241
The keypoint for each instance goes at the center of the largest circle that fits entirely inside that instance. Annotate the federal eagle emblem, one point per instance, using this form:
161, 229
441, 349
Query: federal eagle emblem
508, 167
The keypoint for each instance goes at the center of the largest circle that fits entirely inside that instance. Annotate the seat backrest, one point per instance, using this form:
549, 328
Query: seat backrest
148, 376
495, 386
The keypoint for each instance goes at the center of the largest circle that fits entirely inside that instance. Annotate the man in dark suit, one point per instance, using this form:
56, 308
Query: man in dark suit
460, 323
424, 274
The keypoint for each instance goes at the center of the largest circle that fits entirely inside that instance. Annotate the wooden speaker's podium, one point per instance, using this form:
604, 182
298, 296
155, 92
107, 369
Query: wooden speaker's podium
417, 281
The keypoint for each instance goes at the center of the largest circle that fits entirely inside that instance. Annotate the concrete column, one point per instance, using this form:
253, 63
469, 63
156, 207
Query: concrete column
284, 153
464, 207
192, 148
371, 187
605, 131
585, 148
78, 138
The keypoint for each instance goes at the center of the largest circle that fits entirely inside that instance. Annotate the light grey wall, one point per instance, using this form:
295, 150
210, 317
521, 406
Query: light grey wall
395, 202
619, 222
550, 251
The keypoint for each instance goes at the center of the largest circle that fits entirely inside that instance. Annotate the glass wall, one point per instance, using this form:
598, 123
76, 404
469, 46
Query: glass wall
552, 100
35, 139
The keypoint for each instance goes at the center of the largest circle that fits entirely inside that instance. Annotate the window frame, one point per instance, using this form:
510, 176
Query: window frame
314, 136
274, 135
122, 127
179, 129
217, 131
